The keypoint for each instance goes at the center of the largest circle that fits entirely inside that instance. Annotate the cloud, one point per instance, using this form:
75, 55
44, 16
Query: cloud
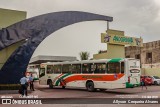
135, 17
138, 19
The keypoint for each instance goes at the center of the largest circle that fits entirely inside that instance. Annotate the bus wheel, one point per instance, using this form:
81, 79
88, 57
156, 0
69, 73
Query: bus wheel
155, 83
90, 86
132, 86
63, 87
102, 89
50, 85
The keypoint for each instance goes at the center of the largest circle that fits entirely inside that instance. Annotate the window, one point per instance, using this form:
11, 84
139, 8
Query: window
137, 56
149, 57
42, 72
122, 67
100, 68
113, 67
67, 68
76, 68
127, 56
93, 68
50, 69
156, 77
86, 68
57, 69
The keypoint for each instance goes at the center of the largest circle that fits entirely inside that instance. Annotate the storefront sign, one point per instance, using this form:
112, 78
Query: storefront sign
121, 40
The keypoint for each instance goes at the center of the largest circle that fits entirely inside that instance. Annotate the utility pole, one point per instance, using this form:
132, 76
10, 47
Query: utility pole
107, 25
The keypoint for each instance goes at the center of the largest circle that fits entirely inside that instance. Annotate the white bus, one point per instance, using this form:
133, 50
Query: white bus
34, 70
92, 74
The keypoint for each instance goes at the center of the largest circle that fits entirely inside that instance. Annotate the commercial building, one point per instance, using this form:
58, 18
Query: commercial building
149, 54
116, 42
44, 59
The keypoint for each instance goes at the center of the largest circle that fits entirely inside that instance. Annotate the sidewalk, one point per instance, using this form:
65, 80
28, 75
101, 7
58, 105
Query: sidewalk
11, 92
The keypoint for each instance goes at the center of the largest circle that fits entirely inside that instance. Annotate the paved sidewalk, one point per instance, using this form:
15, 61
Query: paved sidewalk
11, 92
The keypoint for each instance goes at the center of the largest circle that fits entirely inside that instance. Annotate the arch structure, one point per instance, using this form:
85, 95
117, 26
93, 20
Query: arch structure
34, 30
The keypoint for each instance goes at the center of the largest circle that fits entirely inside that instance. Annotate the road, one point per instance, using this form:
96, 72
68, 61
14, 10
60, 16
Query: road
76, 93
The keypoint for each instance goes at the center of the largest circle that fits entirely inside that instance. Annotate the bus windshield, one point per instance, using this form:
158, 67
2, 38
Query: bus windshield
42, 72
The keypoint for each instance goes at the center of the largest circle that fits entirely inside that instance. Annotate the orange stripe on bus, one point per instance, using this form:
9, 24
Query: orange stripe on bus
57, 78
94, 77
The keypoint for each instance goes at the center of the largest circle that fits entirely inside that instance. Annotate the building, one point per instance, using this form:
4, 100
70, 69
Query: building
44, 59
149, 54
112, 47
7, 18
116, 42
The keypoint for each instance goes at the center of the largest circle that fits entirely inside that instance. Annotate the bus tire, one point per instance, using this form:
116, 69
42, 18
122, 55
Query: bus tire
50, 84
90, 86
63, 87
155, 83
102, 89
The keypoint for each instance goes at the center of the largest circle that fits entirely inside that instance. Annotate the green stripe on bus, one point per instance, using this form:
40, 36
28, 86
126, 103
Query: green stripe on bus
59, 79
115, 60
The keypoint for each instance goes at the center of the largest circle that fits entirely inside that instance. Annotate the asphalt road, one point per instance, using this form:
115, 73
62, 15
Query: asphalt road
75, 97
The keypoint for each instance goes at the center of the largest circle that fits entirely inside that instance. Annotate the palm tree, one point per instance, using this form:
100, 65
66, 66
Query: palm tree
84, 55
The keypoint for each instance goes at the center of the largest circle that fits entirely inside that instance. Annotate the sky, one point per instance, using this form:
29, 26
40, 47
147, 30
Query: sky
137, 18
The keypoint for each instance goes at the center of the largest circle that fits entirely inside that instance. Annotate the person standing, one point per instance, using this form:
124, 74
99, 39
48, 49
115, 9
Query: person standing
23, 82
143, 84
31, 80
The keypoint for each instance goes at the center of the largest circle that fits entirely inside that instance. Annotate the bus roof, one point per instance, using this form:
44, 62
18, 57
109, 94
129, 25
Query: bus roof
77, 62
88, 61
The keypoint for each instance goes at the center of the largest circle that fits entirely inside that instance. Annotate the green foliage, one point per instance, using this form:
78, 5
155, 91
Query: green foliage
84, 55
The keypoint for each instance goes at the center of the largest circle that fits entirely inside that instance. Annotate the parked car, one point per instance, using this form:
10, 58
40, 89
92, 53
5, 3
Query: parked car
155, 80
147, 80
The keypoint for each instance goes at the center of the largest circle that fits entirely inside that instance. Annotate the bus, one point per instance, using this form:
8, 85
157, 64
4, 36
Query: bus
92, 74
34, 70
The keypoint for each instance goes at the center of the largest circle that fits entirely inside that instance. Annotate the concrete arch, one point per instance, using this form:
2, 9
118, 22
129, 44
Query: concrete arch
35, 29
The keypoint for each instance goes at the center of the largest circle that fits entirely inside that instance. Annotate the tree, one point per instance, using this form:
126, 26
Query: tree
84, 55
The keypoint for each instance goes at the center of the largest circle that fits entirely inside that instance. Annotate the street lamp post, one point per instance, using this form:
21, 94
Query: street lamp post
107, 25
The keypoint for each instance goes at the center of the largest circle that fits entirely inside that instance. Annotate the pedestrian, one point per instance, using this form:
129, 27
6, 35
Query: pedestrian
143, 84
31, 80
24, 83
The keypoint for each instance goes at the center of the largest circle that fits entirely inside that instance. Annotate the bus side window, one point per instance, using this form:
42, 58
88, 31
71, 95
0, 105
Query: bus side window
49, 69
66, 68
93, 67
76, 68
57, 69
113, 67
86, 68
100, 68
122, 67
